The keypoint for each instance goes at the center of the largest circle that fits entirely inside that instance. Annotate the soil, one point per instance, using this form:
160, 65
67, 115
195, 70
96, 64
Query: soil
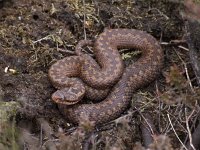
34, 34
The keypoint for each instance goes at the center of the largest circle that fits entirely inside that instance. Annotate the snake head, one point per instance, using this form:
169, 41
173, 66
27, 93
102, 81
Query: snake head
65, 96
58, 97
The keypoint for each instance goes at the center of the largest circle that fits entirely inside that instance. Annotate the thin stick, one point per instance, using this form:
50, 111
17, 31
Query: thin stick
66, 51
193, 52
85, 36
195, 138
184, 48
188, 128
175, 132
186, 72
172, 43
148, 129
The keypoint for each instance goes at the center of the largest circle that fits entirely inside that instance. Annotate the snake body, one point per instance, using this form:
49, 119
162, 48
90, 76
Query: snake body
136, 75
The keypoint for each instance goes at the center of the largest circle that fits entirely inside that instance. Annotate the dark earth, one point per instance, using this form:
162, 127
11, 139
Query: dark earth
35, 33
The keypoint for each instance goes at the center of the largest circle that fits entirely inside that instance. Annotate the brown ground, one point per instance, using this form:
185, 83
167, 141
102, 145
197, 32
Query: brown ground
34, 34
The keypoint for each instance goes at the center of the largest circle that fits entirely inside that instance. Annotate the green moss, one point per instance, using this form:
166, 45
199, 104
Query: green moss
8, 132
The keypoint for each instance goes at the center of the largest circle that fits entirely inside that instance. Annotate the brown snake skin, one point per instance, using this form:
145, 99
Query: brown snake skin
134, 76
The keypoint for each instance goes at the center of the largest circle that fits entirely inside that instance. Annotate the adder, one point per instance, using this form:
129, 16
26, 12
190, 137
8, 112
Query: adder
78, 75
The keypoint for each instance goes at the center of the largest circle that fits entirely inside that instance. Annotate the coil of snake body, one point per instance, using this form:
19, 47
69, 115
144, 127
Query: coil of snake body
65, 73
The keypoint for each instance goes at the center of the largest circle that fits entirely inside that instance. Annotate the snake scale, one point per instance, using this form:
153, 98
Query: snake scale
76, 75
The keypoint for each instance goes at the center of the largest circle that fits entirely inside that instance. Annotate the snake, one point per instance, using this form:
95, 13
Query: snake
77, 75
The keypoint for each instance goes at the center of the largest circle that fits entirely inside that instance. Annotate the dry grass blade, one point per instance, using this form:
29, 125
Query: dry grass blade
175, 132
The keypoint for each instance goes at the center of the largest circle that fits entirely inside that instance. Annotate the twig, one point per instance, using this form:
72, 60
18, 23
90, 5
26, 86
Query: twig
184, 48
176, 43
161, 13
193, 54
84, 21
186, 72
41, 135
148, 129
188, 129
196, 138
48, 132
66, 51
159, 107
173, 42
175, 132
44, 38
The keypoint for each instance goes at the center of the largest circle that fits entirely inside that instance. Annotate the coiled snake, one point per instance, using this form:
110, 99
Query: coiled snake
98, 77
